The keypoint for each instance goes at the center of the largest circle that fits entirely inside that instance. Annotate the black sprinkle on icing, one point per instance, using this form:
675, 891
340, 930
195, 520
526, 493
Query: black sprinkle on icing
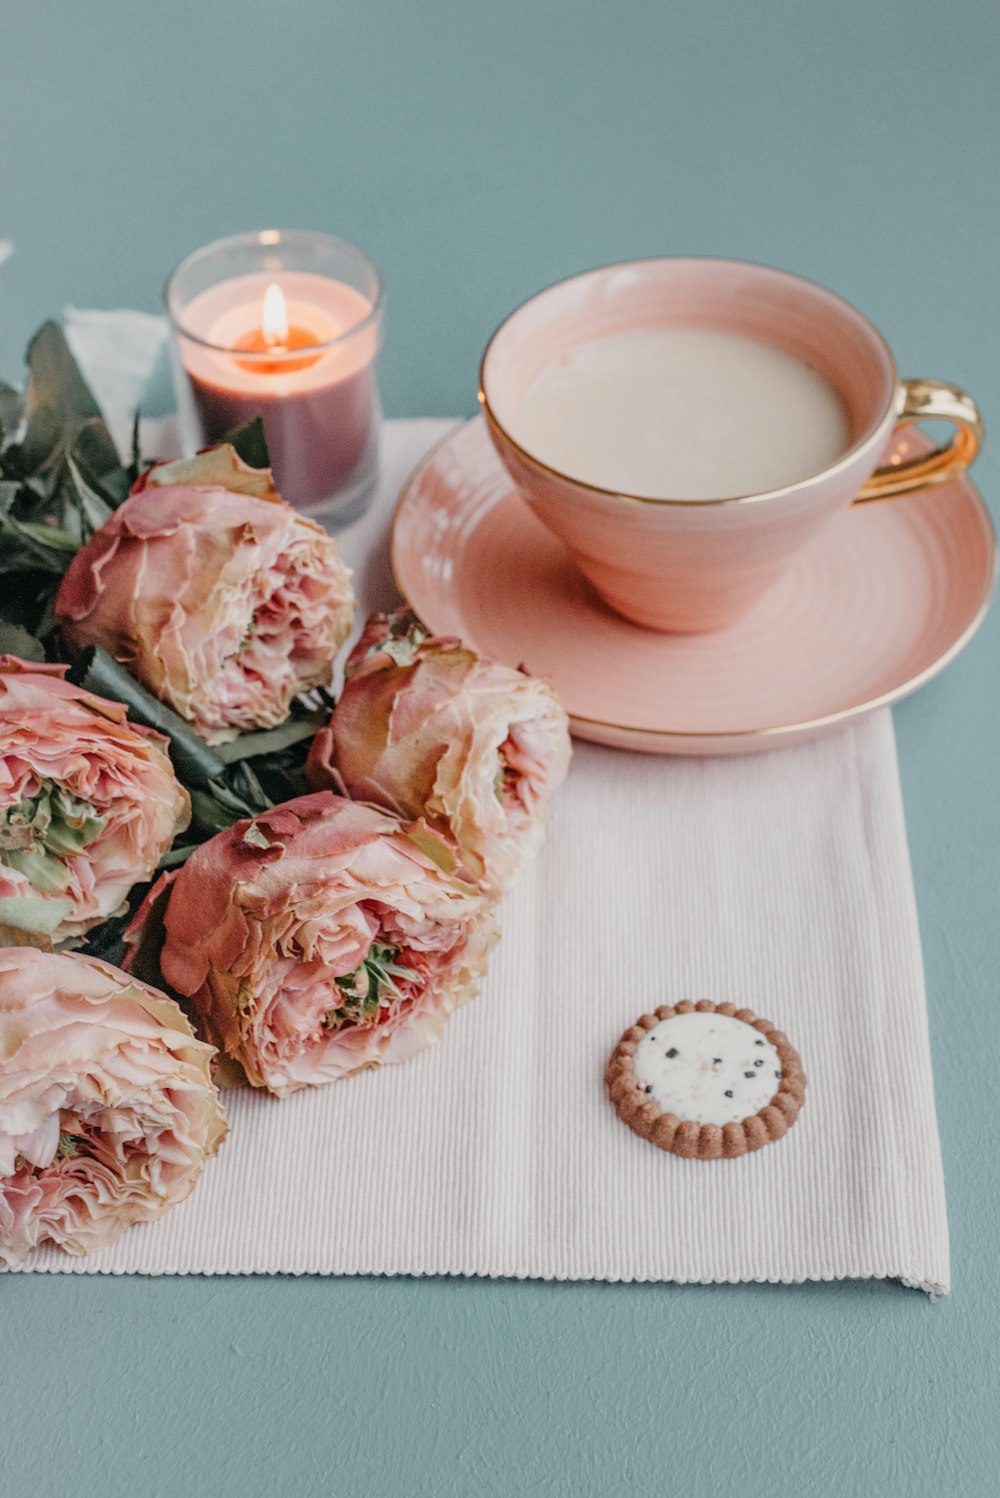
758, 1063
673, 1051
716, 1060
749, 1074
728, 1094
758, 1042
777, 1074
648, 1087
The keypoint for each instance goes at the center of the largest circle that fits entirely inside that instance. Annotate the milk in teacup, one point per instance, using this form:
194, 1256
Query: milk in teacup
683, 413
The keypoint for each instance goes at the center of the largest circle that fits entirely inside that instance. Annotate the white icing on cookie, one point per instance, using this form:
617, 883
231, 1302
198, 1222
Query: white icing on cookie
707, 1068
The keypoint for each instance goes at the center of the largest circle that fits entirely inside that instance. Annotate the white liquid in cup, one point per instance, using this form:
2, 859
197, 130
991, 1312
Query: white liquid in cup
683, 413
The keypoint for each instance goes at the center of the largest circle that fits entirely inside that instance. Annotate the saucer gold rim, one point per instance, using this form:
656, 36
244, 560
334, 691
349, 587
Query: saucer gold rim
777, 732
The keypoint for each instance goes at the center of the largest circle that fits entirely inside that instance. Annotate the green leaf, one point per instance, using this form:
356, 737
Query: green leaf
17, 641
196, 763
229, 799
59, 404
135, 464
94, 509
111, 486
38, 451
272, 740
59, 481
177, 855
47, 535
213, 811
45, 622
11, 409
105, 941
39, 546
244, 783
250, 442
54, 375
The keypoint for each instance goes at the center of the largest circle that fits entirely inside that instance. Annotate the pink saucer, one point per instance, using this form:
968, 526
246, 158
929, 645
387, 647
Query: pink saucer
880, 603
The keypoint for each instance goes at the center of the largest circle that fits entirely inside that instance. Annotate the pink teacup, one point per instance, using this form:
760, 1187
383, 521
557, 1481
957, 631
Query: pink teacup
691, 565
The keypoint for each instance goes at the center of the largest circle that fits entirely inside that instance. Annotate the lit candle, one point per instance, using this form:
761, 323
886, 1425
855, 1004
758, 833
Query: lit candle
276, 334
256, 334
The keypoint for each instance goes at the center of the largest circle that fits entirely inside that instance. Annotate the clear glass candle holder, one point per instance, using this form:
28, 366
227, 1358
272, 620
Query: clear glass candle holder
284, 324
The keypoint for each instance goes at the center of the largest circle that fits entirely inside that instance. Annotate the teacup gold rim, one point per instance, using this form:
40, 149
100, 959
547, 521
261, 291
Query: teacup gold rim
776, 731
870, 437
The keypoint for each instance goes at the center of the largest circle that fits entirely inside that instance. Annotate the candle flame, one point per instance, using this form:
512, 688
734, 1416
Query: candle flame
274, 317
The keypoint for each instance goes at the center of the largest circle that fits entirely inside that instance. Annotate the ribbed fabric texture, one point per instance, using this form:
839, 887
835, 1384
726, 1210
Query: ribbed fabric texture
777, 881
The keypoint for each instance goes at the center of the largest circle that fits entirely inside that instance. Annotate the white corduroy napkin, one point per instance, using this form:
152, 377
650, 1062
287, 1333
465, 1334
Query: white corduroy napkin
780, 881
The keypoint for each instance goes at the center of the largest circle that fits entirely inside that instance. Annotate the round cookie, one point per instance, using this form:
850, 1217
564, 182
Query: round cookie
705, 1081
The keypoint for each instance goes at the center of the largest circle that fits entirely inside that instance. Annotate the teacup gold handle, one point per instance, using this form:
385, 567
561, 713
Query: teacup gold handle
926, 400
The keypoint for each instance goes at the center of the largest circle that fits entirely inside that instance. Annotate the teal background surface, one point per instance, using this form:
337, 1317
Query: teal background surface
479, 152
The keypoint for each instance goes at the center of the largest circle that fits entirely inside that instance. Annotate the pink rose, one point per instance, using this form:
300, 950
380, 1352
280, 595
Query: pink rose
427, 728
223, 600
89, 803
318, 939
107, 1107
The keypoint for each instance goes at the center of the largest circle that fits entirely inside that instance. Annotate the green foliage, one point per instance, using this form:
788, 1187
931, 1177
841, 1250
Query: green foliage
61, 479
370, 986
250, 443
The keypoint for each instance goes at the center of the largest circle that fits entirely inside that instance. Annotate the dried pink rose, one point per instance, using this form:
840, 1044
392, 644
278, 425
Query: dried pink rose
107, 1107
224, 601
428, 728
88, 805
318, 939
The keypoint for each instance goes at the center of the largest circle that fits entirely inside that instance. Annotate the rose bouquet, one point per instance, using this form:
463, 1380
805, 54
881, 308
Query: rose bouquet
309, 936
221, 607
107, 1108
317, 939
89, 803
428, 728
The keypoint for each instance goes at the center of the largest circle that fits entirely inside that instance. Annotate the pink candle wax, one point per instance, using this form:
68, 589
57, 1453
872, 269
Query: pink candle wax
311, 377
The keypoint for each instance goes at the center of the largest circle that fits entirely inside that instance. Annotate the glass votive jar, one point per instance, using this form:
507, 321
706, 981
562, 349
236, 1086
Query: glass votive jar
284, 324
